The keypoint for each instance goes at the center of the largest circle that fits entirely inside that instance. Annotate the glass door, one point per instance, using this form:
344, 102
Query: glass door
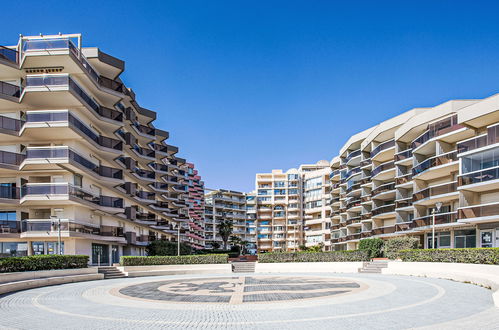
486, 238
100, 254
115, 253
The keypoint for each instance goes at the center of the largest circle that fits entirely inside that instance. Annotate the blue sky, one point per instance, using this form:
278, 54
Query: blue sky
249, 86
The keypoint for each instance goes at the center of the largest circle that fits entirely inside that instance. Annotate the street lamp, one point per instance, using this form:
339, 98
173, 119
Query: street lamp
56, 221
438, 205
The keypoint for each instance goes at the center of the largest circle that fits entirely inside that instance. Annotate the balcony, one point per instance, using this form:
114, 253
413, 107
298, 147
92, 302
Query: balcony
42, 155
479, 213
381, 147
350, 173
383, 230
144, 174
64, 191
11, 159
9, 227
485, 176
58, 81
67, 44
440, 219
403, 203
352, 204
435, 161
10, 55
401, 180
384, 210
437, 193
11, 92
382, 168
492, 137
403, 155
145, 131
10, 125
143, 152
387, 187
352, 155
439, 128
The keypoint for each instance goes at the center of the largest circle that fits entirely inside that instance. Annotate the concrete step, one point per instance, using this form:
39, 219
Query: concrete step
243, 267
111, 272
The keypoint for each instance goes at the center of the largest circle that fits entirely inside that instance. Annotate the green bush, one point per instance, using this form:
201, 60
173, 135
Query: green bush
166, 248
174, 260
373, 245
393, 246
42, 262
333, 256
470, 256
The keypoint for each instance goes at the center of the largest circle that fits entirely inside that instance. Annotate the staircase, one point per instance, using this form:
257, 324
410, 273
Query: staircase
243, 267
374, 266
111, 272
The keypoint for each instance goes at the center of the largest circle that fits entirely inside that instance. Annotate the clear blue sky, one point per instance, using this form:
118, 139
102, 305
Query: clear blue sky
248, 86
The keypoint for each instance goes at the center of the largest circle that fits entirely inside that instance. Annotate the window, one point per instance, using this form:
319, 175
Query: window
465, 238
442, 240
77, 180
292, 176
279, 184
13, 249
480, 161
8, 216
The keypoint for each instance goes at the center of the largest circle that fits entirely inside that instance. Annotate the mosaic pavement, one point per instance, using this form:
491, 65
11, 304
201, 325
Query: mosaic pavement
253, 301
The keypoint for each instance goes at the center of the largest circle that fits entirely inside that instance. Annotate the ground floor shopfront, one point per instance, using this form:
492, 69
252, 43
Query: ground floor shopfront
99, 252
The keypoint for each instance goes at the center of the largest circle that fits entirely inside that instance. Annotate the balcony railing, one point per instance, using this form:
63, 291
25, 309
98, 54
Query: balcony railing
383, 230
440, 219
403, 179
383, 209
9, 89
382, 146
145, 173
70, 190
144, 129
470, 212
383, 188
145, 195
434, 161
144, 152
403, 202
11, 124
436, 129
10, 227
351, 172
351, 155
383, 167
441, 189
9, 54
66, 80
403, 155
479, 176
353, 203
11, 158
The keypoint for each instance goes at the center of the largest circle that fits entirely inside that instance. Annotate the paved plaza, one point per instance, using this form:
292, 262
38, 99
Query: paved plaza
256, 301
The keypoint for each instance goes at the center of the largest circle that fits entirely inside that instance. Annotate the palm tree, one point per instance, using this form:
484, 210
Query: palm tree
225, 230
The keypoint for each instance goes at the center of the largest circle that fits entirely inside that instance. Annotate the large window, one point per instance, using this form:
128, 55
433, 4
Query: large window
313, 183
13, 249
480, 161
442, 240
313, 194
465, 238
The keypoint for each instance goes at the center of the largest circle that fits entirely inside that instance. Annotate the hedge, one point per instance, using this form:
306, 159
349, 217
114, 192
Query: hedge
333, 256
42, 262
373, 245
393, 246
470, 255
174, 260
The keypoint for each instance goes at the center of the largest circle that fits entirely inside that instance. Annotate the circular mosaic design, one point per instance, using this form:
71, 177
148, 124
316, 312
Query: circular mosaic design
243, 289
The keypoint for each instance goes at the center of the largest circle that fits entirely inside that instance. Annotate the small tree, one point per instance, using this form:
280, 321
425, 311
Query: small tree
225, 230
373, 245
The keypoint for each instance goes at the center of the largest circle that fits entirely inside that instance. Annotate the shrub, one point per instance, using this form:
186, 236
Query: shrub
471, 255
167, 248
174, 260
373, 245
42, 262
393, 246
333, 256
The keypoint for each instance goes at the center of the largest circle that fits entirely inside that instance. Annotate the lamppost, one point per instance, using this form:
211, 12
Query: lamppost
56, 221
438, 205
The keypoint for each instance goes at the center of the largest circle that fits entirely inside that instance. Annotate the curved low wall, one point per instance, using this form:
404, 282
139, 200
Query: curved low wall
158, 270
484, 275
10, 282
308, 267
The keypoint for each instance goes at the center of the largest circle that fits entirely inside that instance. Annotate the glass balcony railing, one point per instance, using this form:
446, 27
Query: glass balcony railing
440, 219
479, 176
10, 90
382, 167
403, 179
383, 230
351, 172
351, 155
382, 146
144, 152
434, 161
353, 203
11, 158
383, 188
470, 212
435, 191
403, 202
492, 137
144, 129
9, 54
383, 209
66, 80
145, 173
403, 155
145, 195
10, 227
10, 124
436, 129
